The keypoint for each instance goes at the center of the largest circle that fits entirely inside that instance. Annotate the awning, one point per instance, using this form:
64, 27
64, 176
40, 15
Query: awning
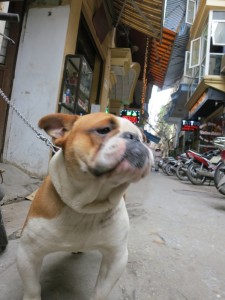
145, 16
151, 137
160, 54
217, 83
210, 101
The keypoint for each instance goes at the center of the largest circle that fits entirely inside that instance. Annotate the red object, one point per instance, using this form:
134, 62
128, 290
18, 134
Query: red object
131, 118
189, 127
198, 157
223, 155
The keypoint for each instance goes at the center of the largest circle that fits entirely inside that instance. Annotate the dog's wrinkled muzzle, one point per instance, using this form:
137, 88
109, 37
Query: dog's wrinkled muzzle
136, 154
125, 153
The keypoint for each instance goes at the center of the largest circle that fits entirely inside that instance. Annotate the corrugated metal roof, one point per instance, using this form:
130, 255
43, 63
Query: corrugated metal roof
175, 11
176, 63
145, 16
171, 52
175, 20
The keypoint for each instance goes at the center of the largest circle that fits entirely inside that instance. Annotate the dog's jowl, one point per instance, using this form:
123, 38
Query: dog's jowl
100, 155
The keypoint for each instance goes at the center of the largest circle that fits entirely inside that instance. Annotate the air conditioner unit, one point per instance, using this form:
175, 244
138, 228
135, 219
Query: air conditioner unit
222, 68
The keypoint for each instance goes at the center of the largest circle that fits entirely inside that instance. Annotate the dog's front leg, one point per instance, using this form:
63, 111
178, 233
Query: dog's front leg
29, 266
112, 266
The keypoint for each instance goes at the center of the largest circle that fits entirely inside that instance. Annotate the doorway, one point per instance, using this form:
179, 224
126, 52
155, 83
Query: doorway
8, 56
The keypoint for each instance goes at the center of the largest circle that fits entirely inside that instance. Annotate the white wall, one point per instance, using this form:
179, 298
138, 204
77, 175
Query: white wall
36, 85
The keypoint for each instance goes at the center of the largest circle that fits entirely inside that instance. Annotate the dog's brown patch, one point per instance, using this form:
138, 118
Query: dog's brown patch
47, 203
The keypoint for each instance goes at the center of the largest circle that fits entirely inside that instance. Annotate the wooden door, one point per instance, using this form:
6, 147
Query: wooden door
7, 65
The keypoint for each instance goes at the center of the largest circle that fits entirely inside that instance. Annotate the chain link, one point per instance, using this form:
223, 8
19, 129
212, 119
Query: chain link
38, 133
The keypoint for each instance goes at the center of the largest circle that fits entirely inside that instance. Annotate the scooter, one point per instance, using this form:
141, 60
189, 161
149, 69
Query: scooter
170, 168
183, 162
219, 176
166, 160
203, 166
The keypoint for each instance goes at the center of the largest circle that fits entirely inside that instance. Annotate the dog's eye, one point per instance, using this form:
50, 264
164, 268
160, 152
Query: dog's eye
103, 131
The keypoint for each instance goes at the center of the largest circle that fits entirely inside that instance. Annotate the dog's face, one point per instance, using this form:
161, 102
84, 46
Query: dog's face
101, 145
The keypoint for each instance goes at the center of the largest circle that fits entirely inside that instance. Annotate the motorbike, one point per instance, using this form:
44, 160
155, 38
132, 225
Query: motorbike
219, 176
174, 164
165, 161
183, 162
170, 168
203, 166
186, 161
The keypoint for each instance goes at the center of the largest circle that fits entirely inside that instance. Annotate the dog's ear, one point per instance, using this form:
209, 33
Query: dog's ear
56, 125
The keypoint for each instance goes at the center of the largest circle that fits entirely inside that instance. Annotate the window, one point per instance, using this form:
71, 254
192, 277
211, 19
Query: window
215, 63
195, 55
218, 15
4, 43
218, 29
188, 72
86, 47
190, 11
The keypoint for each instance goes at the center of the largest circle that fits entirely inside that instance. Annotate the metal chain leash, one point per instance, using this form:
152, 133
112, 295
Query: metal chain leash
38, 133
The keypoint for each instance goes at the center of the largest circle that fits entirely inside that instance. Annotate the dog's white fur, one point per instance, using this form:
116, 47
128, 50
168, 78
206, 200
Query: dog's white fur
84, 211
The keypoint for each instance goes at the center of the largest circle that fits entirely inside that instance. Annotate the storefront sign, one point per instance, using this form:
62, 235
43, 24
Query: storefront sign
132, 115
189, 125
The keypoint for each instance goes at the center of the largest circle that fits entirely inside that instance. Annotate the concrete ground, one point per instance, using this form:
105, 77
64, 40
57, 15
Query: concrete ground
176, 246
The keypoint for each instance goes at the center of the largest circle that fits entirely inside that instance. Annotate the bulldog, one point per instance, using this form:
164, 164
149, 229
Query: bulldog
80, 205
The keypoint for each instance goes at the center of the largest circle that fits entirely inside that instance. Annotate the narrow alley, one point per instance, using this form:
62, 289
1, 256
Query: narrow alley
176, 248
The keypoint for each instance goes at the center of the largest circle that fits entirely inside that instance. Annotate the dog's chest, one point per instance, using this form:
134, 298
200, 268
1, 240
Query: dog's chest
74, 231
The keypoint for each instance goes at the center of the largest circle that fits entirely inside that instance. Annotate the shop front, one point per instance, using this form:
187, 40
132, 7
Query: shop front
208, 112
68, 61
63, 65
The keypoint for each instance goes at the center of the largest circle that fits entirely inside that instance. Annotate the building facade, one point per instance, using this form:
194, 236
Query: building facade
200, 96
70, 57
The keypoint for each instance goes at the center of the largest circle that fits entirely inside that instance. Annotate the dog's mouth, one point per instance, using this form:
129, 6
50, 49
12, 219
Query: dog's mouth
99, 171
133, 160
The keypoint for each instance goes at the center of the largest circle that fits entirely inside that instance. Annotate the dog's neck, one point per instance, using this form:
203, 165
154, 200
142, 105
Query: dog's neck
92, 196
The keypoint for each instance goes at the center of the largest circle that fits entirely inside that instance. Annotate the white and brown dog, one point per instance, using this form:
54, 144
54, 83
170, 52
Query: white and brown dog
80, 205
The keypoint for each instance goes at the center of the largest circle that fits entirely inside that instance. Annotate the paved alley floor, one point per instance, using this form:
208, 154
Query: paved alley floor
176, 248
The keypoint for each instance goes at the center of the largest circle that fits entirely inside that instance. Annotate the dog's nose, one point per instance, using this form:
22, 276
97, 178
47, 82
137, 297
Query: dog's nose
130, 136
137, 154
